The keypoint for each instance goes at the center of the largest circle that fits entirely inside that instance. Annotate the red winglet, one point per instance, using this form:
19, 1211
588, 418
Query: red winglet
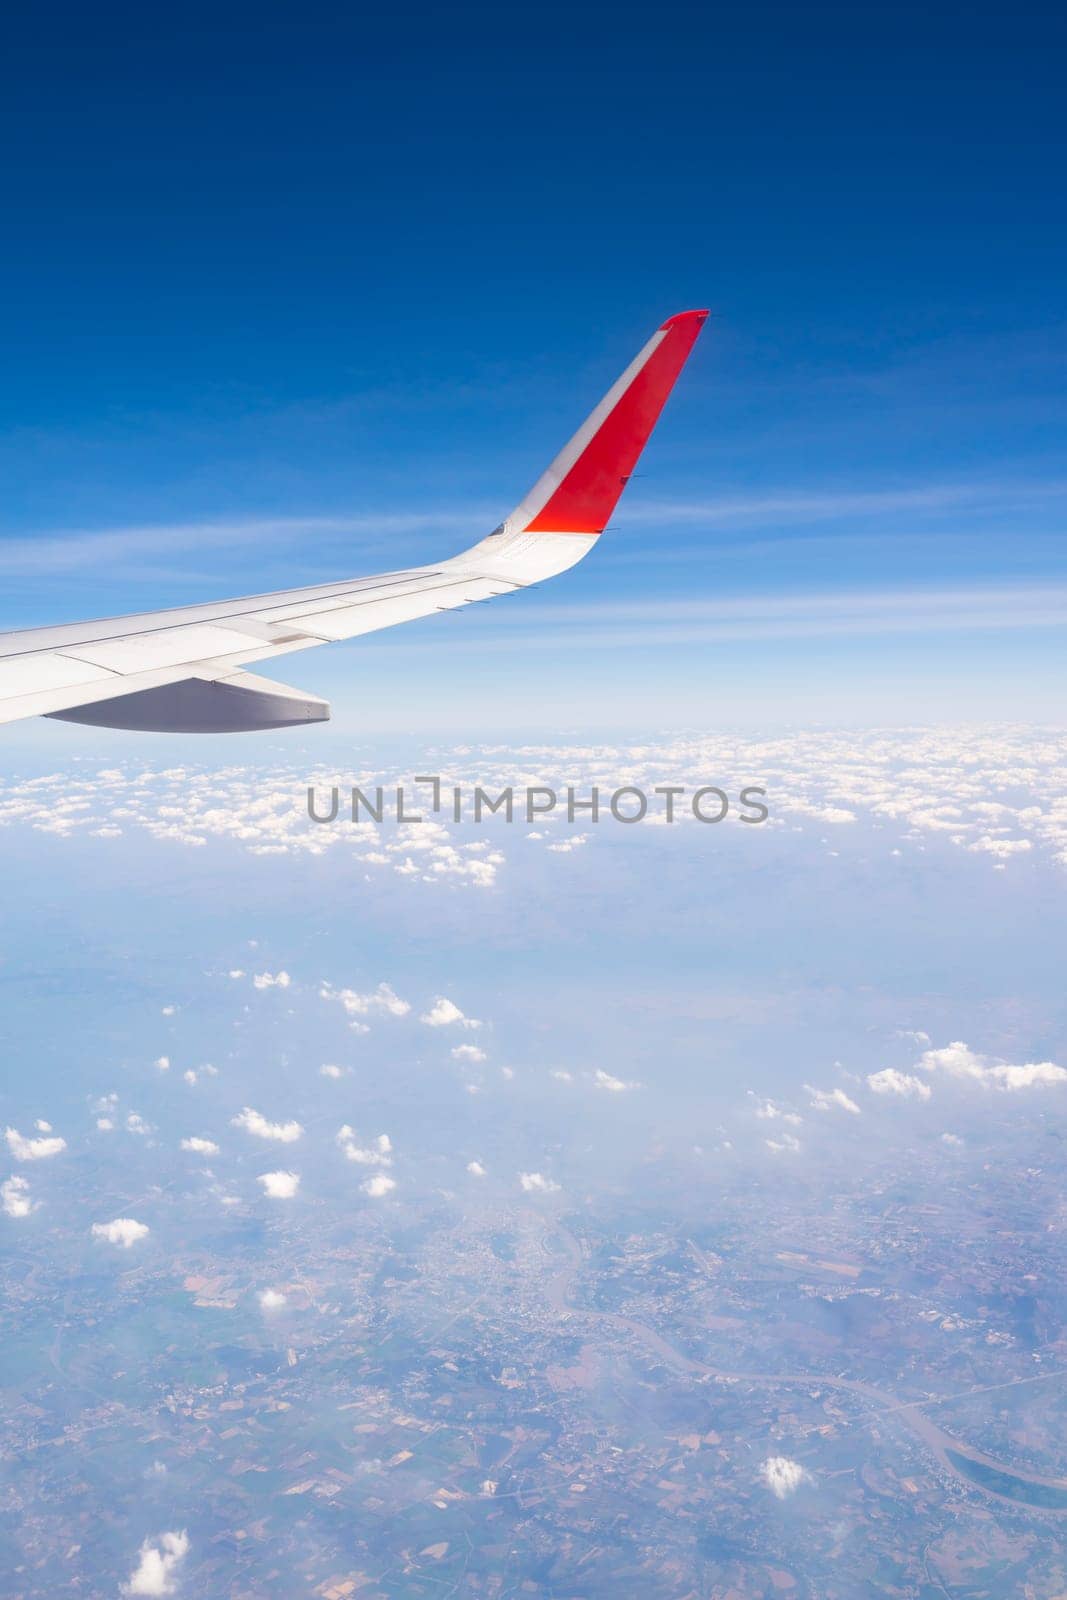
589, 491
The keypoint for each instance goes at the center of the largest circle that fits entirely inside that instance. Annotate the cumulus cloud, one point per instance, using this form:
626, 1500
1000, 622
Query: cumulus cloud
827, 1099
782, 1476
951, 1138
15, 1197
42, 1126
135, 1123
200, 1147
475, 1169
123, 1231
270, 980
445, 1014
771, 1111
959, 1061
382, 1001
271, 1299
378, 1186
604, 1080
377, 1154
279, 1185
255, 1123
467, 1052
890, 1081
537, 1183
786, 1142
329, 1070
163, 1063
23, 1149
156, 1572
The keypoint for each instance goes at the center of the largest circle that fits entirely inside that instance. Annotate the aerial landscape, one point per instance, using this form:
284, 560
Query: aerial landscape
324, 1230
533, 803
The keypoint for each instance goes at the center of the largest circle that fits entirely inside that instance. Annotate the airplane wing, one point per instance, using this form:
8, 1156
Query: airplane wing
183, 670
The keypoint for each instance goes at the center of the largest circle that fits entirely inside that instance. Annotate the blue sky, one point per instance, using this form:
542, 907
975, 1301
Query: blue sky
294, 297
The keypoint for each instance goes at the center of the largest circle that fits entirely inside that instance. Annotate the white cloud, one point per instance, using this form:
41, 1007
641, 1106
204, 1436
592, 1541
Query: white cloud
377, 1154
200, 1147
827, 1099
168, 1011
604, 1080
105, 1124
237, 972
163, 1063
959, 1061
328, 1070
279, 1185
42, 1126
951, 1138
156, 1572
770, 1111
124, 1231
272, 1299
135, 1123
24, 1149
537, 1183
561, 1075
475, 1169
378, 1186
467, 1052
383, 1001
890, 1081
786, 1142
445, 1013
782, 1476
271, 980
15, 1197
256, 1123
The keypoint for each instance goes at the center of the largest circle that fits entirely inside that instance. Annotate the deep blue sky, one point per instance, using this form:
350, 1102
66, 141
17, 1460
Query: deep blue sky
301, 292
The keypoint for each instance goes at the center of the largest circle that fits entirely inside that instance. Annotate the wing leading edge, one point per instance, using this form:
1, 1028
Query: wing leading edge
182, 670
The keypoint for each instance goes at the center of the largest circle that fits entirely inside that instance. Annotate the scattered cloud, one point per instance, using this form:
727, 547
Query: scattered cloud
15, 1197
467, 1052
890, 1081
445, 1014
156, 1572
378, 1186
604, 1080
475, 1169
828, 1099
272, 1299
200, 1147
270, 980
951, 1138
279, 1185
959, 1061
786, 1142
537, 1183
23, 1149
771, 1111
255, 1123
377, 1154
783, 1477
124, 1231
163, 1063
382, 1001
329, 1070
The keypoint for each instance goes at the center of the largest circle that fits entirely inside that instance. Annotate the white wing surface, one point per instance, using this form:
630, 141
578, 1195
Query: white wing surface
183, 670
